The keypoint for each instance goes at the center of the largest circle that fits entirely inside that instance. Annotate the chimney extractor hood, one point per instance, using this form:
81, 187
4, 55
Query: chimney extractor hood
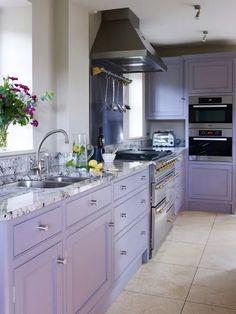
120, 46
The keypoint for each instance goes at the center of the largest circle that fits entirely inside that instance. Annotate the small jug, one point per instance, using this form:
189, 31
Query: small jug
80, 150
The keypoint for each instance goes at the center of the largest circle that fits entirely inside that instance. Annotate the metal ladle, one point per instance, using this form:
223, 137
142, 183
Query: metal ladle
106, 90
114, 106
124, 106
117, 101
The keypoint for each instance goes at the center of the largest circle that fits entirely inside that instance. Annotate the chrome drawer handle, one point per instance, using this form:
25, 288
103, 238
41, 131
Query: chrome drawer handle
143, 201
143, 177
111, 224
143, 232
169, 220
123, 187
61, 261
43, 227
123, 215
123, 252
93, 202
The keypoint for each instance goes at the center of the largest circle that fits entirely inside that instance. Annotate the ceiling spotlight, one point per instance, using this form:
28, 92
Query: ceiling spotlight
197, 8
204, 36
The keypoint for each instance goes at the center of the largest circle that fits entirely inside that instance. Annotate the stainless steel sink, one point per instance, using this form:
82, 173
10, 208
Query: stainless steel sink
43, 184
65, 179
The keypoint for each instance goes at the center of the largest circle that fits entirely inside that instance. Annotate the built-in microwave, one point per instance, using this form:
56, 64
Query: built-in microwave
210, 112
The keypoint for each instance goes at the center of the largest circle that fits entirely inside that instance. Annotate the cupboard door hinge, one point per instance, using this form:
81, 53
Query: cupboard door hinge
14, 294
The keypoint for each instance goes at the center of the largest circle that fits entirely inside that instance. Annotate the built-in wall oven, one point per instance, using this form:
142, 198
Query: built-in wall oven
210, 128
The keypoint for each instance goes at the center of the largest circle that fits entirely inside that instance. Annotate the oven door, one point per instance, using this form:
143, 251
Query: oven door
210, 148
163, 188
162, 222
210, 113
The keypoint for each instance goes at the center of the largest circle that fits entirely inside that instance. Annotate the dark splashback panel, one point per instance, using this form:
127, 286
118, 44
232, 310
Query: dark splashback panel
101, 114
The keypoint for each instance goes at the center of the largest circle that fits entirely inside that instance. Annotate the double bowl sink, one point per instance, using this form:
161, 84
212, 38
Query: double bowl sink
51, 182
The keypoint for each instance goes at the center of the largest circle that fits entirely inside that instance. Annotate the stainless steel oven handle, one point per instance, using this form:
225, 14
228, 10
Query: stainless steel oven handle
222, 139
160, 208
209, 106
162, 185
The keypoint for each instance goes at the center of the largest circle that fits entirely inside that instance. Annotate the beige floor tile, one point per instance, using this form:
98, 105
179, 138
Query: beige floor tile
214, 287
193, 218
180, 253
166, 280
194, 308
134, 303
223, 234
189, 233
222, 257
225, 219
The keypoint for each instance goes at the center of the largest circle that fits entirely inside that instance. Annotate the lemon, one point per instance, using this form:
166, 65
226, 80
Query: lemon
75, 149
99, 166
92, 163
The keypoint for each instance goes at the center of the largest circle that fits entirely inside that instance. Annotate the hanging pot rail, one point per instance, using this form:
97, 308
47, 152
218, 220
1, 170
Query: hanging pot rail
98, 70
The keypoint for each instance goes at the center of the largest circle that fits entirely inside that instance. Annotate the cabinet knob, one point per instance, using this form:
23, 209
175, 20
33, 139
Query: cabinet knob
143, 232
93, 202
182, 98
143, 177
123, 252
123, 215
43, 227
143, 201
123, 187
111, 224
61, 261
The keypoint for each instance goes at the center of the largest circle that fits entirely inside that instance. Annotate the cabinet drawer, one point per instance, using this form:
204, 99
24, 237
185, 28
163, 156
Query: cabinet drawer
83, 207
130, 183
33, 231
130, 245
129, 210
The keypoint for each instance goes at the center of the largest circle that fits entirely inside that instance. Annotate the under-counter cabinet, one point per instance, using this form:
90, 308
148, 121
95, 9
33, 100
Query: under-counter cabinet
165, 92
209, 75
212, 183
67, 258
38, 284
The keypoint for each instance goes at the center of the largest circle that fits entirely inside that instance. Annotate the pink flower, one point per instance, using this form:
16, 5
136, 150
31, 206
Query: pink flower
34, 123
15, 89
13, 78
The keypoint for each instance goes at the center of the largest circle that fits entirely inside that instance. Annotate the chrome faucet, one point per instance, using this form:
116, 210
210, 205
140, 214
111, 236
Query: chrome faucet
38, 165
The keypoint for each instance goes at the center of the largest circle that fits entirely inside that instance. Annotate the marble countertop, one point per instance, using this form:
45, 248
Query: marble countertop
16, 201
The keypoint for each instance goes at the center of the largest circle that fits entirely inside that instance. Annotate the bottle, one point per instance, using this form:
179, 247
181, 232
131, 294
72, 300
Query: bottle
100, 141
100, 146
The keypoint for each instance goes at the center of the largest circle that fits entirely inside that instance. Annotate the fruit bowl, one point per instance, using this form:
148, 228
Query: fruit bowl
108, 157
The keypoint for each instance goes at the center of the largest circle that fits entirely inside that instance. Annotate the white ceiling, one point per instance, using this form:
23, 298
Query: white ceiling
172, 22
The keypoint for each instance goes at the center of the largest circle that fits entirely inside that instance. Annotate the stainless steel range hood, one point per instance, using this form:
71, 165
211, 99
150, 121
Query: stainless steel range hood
120, 46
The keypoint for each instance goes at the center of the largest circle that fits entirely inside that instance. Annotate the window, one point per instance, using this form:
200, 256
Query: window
134, 96
16, 60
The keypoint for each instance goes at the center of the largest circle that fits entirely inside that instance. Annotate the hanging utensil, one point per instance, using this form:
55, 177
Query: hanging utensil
106, 90
113, 105
117, 98
125, 98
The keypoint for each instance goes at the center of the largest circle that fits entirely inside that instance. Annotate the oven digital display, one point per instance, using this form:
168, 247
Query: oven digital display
210, 132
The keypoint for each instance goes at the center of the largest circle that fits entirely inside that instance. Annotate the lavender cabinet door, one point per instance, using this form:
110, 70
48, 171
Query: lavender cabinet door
210, 76
38, 284
208, 181
165, 93
89, 265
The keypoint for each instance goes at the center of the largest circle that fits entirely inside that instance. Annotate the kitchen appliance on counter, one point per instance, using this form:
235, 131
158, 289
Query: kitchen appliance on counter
163, 139
210, 128
162, 178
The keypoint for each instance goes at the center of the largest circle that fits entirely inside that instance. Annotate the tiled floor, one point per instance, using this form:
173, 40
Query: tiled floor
194, 272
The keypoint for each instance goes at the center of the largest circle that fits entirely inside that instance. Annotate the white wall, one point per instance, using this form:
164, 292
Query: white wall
72, 69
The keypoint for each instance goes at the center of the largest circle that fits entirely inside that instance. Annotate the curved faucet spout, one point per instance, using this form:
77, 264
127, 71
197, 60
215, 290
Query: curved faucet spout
38, 163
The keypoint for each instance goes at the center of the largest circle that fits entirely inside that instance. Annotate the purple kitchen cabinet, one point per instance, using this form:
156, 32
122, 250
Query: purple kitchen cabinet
209, 181
89, 264
38, 284
209, 75
165, 92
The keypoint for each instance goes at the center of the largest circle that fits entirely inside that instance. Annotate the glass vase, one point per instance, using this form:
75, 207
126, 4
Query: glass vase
3, 138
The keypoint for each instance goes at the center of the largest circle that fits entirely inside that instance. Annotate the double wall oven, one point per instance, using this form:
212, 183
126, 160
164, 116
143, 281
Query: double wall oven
210, 128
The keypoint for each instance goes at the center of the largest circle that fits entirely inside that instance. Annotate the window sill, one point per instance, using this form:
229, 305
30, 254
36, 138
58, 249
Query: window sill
10, 153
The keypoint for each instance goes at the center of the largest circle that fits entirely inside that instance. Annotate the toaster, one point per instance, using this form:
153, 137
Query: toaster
163, 139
